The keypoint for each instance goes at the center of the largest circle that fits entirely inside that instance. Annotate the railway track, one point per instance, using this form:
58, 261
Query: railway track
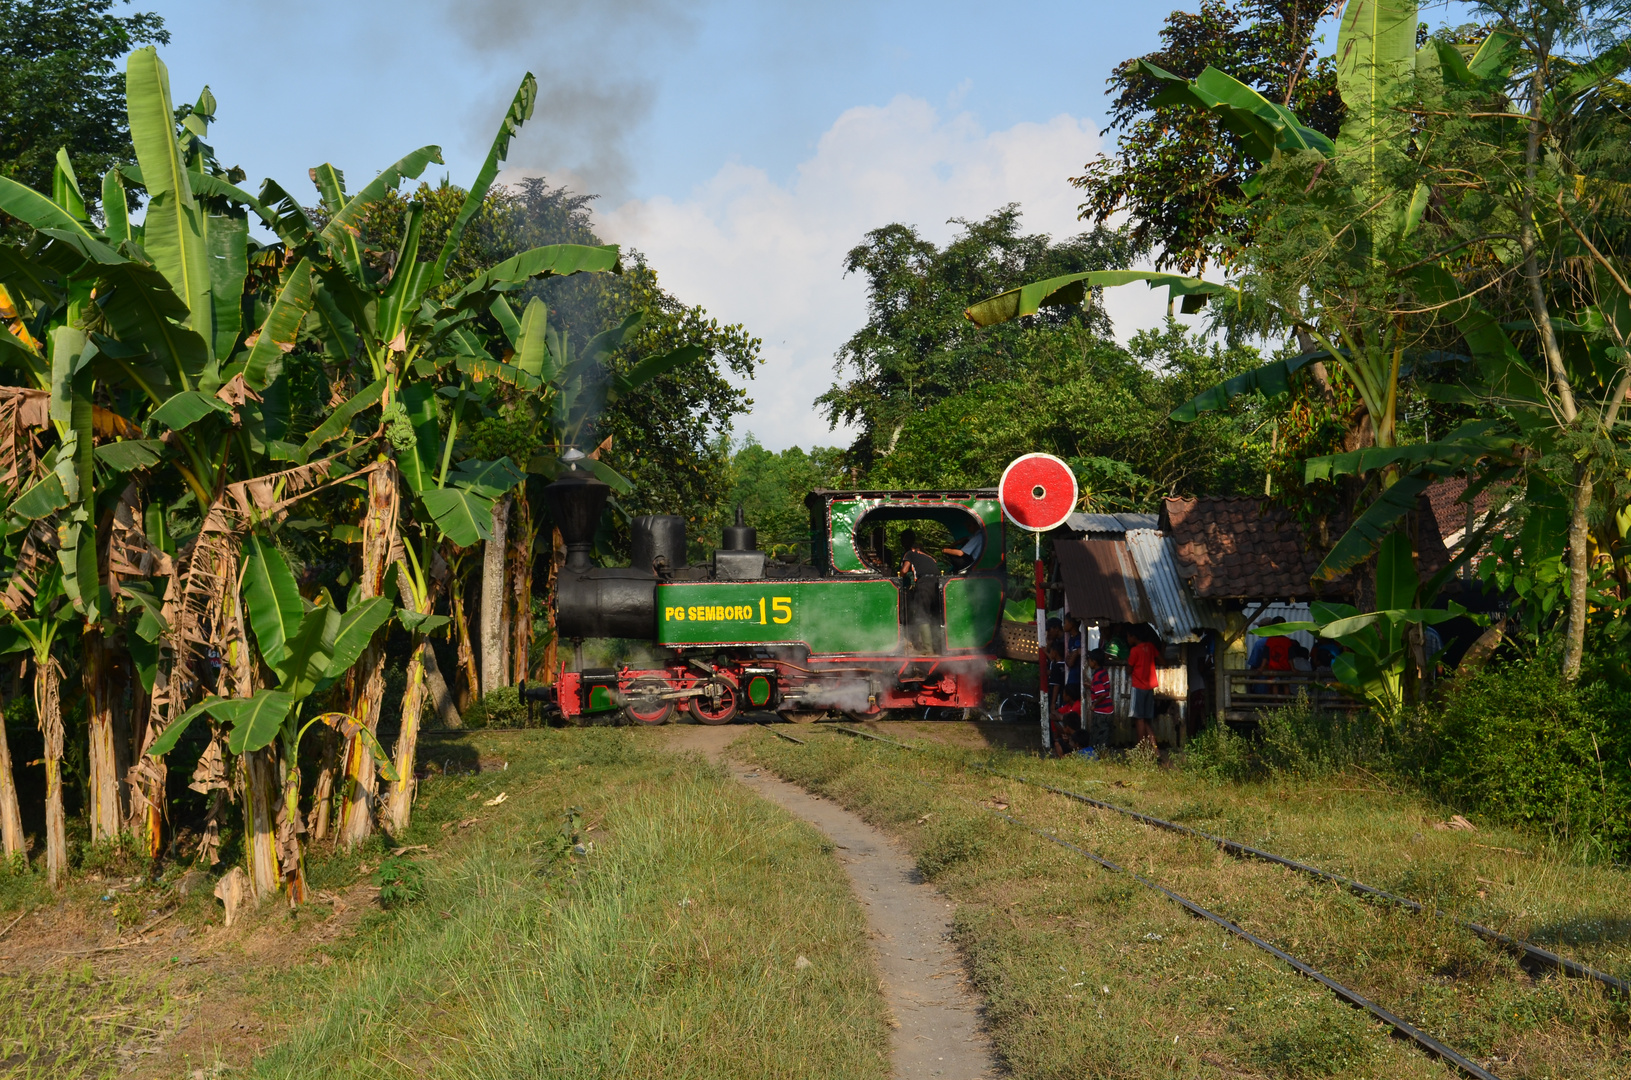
1528, 953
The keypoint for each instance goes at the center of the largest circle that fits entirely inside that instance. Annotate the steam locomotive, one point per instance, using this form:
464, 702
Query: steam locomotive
748, 631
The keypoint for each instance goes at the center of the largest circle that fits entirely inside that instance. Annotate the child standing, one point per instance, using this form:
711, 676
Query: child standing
1104, 705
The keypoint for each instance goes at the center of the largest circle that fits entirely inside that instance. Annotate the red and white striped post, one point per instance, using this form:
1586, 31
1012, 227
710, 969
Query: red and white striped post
1038, 492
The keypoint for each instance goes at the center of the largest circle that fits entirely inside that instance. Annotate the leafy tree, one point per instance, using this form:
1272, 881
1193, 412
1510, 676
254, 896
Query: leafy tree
770, 488
1180, 171
917, 348
665, 433
60, 84
1101, 408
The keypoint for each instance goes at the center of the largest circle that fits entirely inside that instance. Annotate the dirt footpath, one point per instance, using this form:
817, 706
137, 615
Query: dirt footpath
940, 1032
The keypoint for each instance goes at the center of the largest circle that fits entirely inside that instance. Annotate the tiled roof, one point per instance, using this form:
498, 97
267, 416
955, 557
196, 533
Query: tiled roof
1248, 549
1450, 514
1240, 548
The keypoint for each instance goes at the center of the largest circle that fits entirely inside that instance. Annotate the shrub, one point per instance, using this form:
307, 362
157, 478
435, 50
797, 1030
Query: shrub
1295, 739
500, 708
1516, 744
400, 881
951, 843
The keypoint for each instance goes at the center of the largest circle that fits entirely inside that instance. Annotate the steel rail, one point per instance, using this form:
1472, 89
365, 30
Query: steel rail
782, 735
1526, 949
1397, 1023
1352, 997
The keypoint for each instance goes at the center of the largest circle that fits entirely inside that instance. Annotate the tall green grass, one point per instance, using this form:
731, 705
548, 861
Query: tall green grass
1086, 973
641, 918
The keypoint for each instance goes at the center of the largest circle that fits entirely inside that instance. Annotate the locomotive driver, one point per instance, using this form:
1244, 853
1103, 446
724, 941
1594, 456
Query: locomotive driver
921, 574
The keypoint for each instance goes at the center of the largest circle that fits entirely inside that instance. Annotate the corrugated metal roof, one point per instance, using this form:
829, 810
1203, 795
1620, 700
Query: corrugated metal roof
1095, 523
1175, 614
1101, 582
1111, 524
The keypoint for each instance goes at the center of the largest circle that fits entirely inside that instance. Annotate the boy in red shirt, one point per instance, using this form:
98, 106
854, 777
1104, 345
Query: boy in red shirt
1142, 662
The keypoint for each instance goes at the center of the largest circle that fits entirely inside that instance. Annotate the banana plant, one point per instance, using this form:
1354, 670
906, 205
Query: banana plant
308, 647
1382, 647
38, 636
400, 328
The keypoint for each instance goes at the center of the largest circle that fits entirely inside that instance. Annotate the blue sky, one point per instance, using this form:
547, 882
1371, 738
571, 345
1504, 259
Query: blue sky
744, 146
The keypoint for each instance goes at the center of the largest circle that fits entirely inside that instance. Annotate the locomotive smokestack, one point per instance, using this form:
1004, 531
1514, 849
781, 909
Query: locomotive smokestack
575, 502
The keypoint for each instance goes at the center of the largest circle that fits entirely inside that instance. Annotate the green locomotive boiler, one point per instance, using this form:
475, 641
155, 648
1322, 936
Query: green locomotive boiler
748, 631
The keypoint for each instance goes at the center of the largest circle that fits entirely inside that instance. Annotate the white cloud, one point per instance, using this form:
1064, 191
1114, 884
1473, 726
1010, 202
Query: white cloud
770, 255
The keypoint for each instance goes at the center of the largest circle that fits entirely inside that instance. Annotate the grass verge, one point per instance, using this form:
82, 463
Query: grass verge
618, 914
1087, 973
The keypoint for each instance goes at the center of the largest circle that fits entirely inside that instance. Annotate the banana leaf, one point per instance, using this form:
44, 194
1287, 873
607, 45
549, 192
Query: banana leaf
1466, 444
488, 478
173, 229
341, 229
507, 322
650, 368
340, 419
142, 307
555, 260
531, 339
1272, 380
272, 596
128, 454
463, 515
187, 408
1072, 289
1373, 526
281, 328
419, 467
357, 627
519, 112
36, 210
1262, 126
402, 293
255, 720
309, 651
25, 275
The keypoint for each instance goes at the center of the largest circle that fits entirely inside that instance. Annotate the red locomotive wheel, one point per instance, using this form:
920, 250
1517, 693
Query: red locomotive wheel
1038, 492
717, 710
645, 705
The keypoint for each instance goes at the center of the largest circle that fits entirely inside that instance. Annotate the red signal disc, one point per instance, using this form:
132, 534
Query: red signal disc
1038, 492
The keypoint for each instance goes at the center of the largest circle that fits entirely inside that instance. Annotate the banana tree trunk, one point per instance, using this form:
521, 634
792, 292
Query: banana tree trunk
103, 758
441, 699
1579, 574
289, 830
494, 665
48, 708
379, 538
522, 535
469, 676
149, 776
399, 797
11, 814
258, 774
322, 796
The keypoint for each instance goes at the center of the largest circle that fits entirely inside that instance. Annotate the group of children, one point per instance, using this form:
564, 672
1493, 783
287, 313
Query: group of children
1077, 729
